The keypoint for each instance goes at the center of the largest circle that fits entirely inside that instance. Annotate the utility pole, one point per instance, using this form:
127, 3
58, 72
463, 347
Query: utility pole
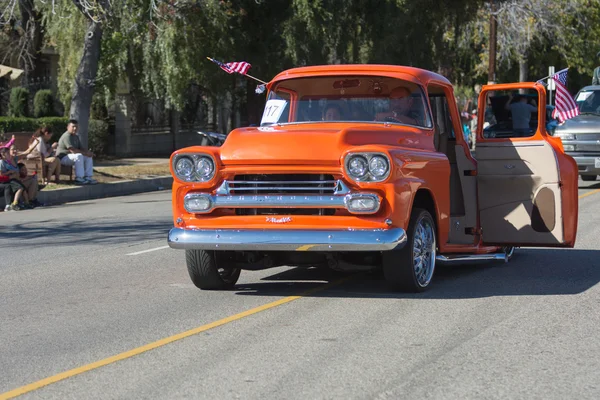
492, 55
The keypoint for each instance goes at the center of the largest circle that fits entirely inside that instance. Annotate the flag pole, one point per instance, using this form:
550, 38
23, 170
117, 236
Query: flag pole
248, 75
256, 79
550, 76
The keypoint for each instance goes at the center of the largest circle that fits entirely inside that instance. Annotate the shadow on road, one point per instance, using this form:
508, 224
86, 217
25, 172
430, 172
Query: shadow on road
533, 272
44, 233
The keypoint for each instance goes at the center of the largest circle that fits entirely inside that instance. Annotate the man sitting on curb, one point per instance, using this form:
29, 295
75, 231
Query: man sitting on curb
71, 153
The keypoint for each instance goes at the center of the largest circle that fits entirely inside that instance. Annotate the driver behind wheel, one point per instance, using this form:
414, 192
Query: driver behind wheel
400, 107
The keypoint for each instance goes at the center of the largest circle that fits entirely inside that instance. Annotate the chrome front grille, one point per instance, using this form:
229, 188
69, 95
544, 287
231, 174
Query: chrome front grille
282, 184
583, 146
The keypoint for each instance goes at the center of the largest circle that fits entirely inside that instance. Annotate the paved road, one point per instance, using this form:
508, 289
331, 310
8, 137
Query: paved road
90, 280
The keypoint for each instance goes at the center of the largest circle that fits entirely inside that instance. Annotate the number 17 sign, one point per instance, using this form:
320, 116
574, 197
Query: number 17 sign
273, 110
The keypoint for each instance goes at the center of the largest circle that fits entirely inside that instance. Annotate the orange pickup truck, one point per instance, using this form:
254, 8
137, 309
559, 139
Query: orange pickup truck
366, 166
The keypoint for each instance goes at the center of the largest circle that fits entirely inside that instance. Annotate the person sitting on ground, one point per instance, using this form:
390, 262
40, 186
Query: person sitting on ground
8, 169
400, 109
332, 112
50, 163
71, 153
521, 114
30, 183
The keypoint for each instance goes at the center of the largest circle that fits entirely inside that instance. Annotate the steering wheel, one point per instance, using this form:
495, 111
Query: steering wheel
391, 119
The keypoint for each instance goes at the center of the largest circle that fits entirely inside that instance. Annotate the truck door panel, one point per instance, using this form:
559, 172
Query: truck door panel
521, 189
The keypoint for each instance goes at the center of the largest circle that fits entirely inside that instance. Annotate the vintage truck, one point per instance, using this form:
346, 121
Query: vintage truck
363, 167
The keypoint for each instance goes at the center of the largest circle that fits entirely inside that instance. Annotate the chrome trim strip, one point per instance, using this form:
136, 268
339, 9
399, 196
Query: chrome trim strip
335, 187
287, 240
280, 201
455, 258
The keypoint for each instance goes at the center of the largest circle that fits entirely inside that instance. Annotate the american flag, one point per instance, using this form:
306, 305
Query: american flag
565, 104
241, 67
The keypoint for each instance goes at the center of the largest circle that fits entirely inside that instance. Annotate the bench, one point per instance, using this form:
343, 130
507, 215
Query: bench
34, 165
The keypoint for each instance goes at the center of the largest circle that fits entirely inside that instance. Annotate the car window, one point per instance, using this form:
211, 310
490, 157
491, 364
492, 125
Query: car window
588, 101
366, 99
511, 113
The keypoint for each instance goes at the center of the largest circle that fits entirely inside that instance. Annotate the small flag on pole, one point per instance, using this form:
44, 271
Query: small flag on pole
241, 67
566, 107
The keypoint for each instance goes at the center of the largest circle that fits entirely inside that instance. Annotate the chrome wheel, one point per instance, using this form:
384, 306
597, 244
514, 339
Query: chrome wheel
424, 251
410, 269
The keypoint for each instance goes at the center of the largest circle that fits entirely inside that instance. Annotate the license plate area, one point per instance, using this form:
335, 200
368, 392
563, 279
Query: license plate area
597, 162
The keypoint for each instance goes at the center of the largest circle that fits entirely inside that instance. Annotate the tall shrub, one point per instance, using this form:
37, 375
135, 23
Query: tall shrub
17, 106
98, 136
43, 104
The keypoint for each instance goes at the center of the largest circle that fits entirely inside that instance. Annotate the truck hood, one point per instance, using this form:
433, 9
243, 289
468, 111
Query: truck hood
584, 123
304, 144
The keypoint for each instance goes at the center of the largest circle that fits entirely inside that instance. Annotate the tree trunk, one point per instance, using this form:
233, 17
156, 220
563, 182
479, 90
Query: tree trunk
85, 80
523, 69
32, 26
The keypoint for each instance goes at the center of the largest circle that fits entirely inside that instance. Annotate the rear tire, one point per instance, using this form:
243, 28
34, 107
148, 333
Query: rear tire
211, 270
588, 178
411, 268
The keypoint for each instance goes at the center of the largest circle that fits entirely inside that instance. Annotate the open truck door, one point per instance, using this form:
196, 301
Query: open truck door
526, 184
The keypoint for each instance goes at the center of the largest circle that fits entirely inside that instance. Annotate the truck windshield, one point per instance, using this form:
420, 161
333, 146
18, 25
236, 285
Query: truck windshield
365, 99
588, 101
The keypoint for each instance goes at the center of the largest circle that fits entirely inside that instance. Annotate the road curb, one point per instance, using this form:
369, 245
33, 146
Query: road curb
101, 190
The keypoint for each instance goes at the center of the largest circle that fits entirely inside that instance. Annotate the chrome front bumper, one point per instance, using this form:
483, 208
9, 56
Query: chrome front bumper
586, 164
287, 240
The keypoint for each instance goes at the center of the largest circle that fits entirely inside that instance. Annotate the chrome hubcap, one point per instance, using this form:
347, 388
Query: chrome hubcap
424, 252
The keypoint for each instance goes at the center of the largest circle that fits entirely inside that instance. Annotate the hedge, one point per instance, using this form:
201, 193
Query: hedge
97, 133
43, 104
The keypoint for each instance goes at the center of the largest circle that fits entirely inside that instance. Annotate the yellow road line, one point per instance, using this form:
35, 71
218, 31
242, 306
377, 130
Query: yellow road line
305, 247
589, 193
159, 343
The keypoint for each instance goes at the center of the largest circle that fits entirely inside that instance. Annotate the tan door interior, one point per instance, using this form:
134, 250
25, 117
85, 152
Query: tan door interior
519, 193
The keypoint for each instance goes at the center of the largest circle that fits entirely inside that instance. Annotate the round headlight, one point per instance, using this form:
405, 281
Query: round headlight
205, 168
378, 166
358, 166
184, 167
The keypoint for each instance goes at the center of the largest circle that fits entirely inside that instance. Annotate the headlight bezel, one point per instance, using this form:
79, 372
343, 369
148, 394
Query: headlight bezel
195, 175
369, 176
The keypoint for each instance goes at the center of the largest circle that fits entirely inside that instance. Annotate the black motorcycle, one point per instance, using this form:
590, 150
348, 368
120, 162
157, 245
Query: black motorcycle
212, 138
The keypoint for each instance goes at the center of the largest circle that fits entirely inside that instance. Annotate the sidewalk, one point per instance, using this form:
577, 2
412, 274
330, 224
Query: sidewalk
112, 189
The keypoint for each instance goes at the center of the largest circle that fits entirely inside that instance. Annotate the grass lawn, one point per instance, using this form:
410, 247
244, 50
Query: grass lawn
119, 173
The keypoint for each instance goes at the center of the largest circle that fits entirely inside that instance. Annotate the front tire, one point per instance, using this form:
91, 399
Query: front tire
211, 270
411, 268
